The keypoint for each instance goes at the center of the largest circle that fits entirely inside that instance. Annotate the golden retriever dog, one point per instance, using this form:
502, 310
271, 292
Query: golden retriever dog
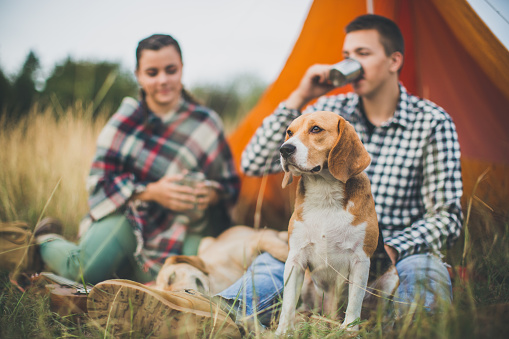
221, 261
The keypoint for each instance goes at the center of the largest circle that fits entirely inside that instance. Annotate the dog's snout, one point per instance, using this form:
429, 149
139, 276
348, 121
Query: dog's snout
286, 150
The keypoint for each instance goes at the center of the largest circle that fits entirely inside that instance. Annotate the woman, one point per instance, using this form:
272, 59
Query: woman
139, 213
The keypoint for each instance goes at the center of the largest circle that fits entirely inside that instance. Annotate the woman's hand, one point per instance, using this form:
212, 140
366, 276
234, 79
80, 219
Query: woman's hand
206, 195
170, 194
314, 84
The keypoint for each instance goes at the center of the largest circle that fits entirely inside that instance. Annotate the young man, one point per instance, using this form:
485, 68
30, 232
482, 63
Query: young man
415, 170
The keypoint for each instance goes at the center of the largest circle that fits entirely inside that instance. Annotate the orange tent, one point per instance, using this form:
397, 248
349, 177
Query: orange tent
451, 58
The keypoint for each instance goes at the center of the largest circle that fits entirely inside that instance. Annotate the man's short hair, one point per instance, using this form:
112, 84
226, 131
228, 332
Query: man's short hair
390, 34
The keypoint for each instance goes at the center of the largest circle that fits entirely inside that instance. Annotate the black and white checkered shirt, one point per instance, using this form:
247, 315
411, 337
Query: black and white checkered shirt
415, 170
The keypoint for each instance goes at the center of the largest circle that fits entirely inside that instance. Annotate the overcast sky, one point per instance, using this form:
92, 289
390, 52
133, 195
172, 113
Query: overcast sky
219, 38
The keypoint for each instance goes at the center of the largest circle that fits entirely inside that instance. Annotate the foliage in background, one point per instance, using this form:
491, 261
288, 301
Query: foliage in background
100, 86
19, 95
5, 91
233, 99
23, 88
93, 85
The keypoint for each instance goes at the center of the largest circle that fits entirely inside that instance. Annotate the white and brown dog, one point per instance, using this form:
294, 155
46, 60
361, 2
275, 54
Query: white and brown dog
221, 261
333, 231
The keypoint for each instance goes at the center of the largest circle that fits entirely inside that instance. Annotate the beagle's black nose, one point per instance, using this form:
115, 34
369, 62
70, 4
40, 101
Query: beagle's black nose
286, 150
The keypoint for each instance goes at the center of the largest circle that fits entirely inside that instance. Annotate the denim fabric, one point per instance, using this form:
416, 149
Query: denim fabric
258, 289
422, 277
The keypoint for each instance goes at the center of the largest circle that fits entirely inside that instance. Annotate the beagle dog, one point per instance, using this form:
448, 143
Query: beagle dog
333, 230
220, 261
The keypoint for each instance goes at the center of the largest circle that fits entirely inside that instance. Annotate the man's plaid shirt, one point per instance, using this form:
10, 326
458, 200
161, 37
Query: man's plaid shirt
415, 170
137, 147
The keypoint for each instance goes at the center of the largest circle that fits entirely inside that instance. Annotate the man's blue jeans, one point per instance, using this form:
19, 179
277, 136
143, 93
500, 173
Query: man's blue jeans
423, 278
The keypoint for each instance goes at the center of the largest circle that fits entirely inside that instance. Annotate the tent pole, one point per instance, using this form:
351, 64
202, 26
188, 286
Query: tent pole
370, 7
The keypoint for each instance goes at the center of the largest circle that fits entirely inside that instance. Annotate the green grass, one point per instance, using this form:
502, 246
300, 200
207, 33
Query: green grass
43, 154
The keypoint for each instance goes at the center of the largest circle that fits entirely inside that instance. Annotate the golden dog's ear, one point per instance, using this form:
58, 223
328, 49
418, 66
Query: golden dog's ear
348, 157
192, 260
287, 179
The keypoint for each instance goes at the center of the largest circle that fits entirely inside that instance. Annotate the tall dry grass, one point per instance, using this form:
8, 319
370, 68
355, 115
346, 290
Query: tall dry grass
44, 153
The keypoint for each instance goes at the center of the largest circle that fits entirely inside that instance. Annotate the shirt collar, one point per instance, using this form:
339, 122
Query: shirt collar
401, 115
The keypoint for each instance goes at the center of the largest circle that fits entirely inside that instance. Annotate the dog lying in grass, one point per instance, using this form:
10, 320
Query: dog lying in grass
221, 261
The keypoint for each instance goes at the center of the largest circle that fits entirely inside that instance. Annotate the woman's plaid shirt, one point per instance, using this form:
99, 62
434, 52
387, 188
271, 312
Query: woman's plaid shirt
415, 170
135, 148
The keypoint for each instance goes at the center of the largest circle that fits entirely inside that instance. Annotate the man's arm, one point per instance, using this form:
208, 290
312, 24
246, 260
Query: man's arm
261, 155
441, 190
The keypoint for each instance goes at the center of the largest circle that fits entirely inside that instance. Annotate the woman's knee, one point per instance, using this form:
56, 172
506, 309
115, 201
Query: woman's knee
106, 247
112, 231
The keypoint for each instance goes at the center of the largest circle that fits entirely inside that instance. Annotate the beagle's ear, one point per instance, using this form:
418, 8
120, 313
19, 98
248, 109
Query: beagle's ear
348, 157
192, 260
287, 179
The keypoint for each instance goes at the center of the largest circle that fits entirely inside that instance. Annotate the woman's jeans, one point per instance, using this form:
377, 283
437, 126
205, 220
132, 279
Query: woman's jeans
104, 252
423, 278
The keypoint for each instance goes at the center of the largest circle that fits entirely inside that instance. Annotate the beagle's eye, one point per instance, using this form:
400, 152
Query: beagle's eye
289, 133
316, 129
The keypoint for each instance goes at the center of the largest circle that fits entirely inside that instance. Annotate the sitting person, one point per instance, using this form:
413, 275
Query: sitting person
139, 212
415, 172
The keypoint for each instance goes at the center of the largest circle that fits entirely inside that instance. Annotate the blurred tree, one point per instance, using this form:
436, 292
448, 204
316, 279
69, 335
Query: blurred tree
232, 99
24, 93
5, 93
94, 85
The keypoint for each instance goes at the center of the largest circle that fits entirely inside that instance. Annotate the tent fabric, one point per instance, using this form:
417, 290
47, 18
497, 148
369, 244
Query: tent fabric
451, 58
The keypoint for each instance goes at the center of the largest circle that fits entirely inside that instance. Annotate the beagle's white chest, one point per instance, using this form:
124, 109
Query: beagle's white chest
325, 241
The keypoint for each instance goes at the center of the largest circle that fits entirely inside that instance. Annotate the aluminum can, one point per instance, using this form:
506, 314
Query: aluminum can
191, 179
345, 72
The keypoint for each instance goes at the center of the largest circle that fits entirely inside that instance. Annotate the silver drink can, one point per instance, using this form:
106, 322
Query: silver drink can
191, 179
345, 72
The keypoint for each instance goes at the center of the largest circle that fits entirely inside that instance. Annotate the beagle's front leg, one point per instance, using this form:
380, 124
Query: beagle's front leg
294, 278
359, 272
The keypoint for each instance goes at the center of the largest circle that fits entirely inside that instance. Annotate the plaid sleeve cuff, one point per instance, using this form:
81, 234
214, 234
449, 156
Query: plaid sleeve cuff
103, 204
421, 237
261, 155
427, 235
402, 244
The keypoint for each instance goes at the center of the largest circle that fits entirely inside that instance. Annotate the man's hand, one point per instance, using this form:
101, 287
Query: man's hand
314, 84
393, 254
